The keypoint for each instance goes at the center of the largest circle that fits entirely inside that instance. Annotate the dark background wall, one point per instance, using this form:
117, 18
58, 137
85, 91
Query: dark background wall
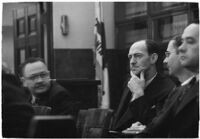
74, 63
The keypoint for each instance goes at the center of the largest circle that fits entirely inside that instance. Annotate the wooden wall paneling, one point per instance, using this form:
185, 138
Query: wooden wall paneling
85, 91
74, 63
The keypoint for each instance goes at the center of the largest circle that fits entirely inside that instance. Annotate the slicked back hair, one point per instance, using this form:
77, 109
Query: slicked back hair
153, 47
29, 60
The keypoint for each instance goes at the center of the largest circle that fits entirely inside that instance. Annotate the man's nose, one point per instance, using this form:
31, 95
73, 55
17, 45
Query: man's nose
182, 48
165, 60
39, 79
133, 60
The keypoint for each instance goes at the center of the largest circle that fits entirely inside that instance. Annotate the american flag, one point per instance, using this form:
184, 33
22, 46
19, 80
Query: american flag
100, 62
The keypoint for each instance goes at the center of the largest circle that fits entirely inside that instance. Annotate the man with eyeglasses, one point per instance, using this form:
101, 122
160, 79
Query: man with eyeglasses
180, 116
45, 92
172, 60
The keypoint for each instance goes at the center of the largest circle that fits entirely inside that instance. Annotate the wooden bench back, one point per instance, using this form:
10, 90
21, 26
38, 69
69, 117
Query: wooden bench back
94, 122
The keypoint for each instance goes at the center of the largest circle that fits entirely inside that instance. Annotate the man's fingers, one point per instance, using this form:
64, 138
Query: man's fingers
142, 75
132, 74
130, 86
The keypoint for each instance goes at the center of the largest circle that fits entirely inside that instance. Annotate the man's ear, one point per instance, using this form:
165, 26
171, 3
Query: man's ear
154, 58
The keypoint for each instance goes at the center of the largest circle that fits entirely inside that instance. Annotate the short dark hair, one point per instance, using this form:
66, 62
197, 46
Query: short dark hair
152, 47
177, 42
27, 61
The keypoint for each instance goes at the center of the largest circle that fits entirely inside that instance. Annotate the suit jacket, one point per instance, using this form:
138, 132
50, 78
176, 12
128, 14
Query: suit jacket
186, 114
59, 99
16, 110
146, 107
179, 117
123, 105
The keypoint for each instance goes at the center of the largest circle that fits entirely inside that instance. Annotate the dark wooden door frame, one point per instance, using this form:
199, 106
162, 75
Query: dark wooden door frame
27, 32
45, 17
49, 23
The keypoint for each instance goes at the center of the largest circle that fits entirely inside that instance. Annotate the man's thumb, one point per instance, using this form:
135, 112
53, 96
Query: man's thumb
142, 75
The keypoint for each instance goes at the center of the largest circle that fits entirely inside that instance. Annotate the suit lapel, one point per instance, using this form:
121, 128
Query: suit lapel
190, 94
123, 102
127, 95
151, 91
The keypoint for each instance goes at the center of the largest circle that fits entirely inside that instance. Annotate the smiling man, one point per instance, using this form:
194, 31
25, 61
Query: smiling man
44, 92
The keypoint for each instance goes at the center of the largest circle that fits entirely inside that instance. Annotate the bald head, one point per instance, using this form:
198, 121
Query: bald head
189, 50
191, 30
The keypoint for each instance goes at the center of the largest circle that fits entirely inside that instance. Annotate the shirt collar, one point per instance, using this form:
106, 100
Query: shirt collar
187, 81
150, 80
33, 99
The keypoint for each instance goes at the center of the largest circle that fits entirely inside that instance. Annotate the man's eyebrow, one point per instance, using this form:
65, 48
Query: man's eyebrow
38, 73
138, 53
135, 54
187, 38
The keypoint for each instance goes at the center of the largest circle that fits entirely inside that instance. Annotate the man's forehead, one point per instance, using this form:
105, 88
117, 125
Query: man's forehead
170, 46
138, 46
191, 31
33, 68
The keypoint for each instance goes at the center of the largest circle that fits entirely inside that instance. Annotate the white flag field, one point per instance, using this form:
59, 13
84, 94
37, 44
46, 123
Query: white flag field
101, 70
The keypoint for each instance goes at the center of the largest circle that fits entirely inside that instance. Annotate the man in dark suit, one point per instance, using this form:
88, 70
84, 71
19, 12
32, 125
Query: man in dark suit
173, 63
16, 110
186, 115
180, 115
146, 90
45, 92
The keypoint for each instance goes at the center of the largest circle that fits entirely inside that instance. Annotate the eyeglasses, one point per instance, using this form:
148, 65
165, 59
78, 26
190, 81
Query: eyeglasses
42, 75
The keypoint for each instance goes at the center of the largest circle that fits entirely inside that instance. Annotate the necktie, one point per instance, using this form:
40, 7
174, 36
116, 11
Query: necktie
36, 103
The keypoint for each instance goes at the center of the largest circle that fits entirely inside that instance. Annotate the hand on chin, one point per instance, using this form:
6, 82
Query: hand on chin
135, 72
